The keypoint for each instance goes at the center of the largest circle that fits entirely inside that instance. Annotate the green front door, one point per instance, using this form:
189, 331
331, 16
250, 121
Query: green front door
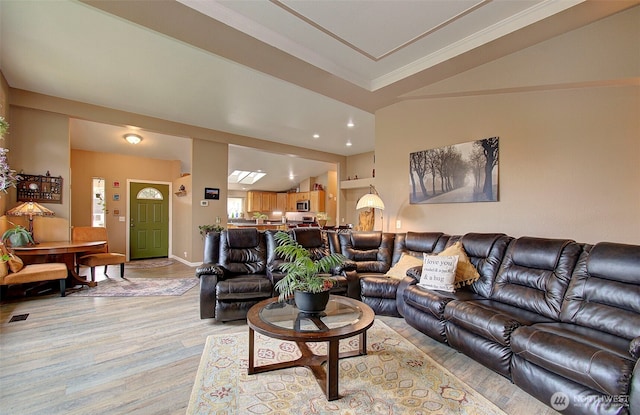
149, 222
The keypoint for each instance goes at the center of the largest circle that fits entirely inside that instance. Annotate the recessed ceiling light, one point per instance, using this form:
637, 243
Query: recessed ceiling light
350, 124
349, 143
316, 136
133, 138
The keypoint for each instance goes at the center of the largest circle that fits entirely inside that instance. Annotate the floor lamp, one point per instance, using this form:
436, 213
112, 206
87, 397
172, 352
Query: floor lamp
30, 209
373, 201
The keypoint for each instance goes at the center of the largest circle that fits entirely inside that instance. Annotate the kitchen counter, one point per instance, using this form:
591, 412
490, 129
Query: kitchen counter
262, 227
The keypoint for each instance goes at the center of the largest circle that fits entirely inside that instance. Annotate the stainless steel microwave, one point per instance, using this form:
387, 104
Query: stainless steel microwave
302, 205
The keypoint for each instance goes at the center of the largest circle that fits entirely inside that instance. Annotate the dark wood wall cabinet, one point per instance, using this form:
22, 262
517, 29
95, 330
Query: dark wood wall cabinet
34, 188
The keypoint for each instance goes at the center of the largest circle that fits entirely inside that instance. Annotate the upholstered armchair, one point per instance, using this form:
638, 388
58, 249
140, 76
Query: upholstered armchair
233, 277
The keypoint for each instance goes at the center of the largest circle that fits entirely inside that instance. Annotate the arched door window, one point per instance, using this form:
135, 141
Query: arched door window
149, 193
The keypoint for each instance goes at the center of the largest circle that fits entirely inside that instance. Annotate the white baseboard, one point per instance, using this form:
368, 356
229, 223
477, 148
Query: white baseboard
184, 261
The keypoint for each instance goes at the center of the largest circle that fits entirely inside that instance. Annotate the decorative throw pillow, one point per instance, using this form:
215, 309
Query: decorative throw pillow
15, 263
399, 270
466, 273
439, 272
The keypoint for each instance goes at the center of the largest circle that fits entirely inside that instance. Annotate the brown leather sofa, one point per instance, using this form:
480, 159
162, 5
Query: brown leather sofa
559, 319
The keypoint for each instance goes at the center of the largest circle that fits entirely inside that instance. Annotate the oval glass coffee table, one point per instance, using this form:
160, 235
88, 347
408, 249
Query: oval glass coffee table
343, 318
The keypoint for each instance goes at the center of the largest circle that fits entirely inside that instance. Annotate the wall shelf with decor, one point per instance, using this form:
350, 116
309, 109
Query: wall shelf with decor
357, 183
42, 189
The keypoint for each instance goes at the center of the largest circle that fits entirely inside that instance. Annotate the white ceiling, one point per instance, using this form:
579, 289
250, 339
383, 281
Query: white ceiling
278, 70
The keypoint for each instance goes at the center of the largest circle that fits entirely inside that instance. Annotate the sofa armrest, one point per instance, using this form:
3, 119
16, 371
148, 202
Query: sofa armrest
344, 267
209, 269
415, 273
406, 282
208, 282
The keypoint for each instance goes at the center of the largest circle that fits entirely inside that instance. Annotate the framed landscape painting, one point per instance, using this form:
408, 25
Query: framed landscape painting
459, 173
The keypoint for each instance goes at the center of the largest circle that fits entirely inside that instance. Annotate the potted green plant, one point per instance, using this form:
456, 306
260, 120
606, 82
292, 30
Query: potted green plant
17, 236
303, 275
205, 229
260, 217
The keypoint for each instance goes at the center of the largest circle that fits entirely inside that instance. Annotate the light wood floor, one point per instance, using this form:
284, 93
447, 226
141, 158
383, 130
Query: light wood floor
91, 355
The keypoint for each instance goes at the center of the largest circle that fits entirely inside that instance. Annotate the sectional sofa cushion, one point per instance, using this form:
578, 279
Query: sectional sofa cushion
604, 290
535, 273
371, 251
399, 270
582, 355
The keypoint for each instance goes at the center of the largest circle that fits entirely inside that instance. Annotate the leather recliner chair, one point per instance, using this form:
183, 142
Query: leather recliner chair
233, 277
379, 291
424, 309
528, 289
371, 251
591, 354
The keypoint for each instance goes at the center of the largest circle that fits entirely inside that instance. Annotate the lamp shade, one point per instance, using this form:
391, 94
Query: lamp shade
30, 209
370, 201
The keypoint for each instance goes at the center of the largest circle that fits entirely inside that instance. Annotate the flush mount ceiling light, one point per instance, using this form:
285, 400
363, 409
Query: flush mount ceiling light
133, 138
350, 124
349, 143
316, 136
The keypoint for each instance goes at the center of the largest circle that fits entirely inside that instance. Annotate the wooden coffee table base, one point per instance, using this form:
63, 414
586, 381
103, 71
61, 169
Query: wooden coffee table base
327, 378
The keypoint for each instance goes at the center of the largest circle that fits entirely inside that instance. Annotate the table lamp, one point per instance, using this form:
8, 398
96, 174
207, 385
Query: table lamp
30, 209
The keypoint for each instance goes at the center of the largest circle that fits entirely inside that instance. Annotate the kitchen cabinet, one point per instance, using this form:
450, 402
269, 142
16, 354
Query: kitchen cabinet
269, 202
316, 201
264, 202
281, 202
254, 201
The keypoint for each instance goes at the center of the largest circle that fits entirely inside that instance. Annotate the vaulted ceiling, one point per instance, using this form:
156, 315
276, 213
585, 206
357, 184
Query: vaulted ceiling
278, 70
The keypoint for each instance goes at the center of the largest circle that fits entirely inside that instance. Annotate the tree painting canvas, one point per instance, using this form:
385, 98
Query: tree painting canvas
459, 173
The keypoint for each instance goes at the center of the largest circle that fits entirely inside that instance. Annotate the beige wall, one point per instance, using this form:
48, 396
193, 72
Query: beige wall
362, 166
569, 163
40, 143
569, 142
85, 165
210, 167
182, 221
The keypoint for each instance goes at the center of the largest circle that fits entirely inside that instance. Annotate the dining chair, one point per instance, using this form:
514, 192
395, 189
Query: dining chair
98, 257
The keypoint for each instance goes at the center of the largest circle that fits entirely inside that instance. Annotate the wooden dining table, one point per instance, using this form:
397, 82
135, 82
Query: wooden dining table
60, 251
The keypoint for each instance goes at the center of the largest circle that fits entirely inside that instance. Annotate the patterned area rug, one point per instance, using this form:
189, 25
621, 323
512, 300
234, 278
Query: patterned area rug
395, 377
137, 287
148, 263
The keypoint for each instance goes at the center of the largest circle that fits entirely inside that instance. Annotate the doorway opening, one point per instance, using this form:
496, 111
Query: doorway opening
98, 204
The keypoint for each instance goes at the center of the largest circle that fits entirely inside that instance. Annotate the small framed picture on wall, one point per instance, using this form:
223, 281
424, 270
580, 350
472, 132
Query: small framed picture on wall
211, 193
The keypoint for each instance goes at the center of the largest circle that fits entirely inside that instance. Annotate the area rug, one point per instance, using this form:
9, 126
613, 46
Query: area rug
148, 263
137, 287
395, 377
